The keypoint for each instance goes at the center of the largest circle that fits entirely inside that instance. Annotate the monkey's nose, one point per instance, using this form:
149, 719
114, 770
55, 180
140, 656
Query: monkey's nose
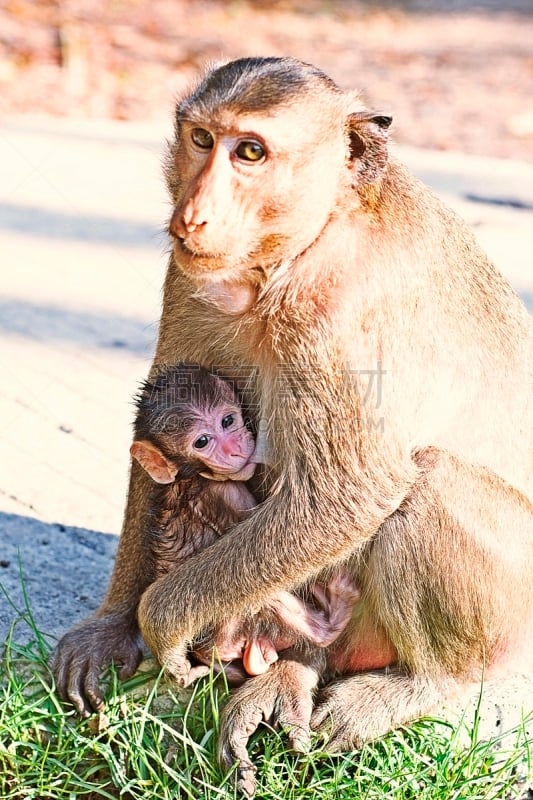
177, 226
183, 224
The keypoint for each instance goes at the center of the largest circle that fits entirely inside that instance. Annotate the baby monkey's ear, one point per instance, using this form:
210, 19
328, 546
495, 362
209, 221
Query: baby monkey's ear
159, 468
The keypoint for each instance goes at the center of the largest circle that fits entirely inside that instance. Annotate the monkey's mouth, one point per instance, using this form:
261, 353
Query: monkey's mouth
186, 249
243, 474
201, 258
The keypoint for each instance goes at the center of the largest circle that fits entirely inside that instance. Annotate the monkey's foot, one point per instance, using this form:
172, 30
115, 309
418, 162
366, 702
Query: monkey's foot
360, 708
282, 697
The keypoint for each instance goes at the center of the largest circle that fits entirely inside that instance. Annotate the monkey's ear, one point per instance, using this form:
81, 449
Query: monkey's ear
153, 461
368, 135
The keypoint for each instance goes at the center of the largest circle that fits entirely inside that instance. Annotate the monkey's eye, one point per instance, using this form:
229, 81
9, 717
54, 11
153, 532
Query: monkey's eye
228, 421
202, 138
201, 442
250, 150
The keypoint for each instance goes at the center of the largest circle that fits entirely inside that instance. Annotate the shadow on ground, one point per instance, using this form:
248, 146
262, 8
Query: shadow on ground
35, 221
63, 571
87, 328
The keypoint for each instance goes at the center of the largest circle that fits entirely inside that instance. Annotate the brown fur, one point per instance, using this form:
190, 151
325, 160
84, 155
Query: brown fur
305, 272
189, 511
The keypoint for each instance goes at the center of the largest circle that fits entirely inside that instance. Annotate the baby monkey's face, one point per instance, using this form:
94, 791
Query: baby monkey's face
220, 438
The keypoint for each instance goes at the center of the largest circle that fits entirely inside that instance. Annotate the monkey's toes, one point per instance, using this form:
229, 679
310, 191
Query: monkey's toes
246, 780
299, 738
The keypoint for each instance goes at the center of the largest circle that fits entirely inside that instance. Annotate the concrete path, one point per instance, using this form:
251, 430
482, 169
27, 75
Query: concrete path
82, 211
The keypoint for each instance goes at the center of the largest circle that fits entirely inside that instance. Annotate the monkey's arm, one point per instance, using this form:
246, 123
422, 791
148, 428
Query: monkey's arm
329, 498
111, 635
279, 546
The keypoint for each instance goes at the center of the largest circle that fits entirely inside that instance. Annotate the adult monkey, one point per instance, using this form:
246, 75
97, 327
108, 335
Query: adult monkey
302, 258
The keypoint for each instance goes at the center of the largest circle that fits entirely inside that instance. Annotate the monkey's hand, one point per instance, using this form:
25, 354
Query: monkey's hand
83, 653
281, 697
178, 667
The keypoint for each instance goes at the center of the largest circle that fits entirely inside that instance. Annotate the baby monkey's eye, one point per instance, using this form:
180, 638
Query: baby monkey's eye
228, 421
201, 442
250, 150
202, 138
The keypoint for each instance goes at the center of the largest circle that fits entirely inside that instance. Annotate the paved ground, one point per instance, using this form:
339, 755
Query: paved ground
82, 207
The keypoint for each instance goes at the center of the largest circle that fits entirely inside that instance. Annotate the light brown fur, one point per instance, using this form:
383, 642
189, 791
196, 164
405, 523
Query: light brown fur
305, 272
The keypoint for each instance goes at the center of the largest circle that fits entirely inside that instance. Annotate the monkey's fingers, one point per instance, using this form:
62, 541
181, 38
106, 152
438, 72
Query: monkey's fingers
236, 751
299, 734
357, 709
84, 690
82, 654
68, 685
238, 724
76, 682
246, 780
194, 673
178, 667
340, 735
91, 687
127, 665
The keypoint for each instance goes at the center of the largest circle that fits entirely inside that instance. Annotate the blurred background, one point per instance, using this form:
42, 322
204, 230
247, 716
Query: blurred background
456, 75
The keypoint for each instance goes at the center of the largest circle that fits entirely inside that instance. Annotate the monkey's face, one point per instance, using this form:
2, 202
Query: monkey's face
220, 440
252, 190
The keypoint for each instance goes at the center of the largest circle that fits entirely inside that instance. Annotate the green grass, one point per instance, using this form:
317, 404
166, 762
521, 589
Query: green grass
153, 744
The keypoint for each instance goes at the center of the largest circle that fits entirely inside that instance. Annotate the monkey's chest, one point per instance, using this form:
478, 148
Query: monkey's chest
179, 536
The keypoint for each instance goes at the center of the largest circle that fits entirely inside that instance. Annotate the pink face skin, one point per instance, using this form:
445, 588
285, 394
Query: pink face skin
219, 438
224, 443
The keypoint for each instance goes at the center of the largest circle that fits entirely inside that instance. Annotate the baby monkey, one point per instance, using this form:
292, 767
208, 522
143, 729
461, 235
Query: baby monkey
192, 439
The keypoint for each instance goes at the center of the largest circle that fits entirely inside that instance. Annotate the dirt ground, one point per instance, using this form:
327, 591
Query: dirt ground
455, 76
